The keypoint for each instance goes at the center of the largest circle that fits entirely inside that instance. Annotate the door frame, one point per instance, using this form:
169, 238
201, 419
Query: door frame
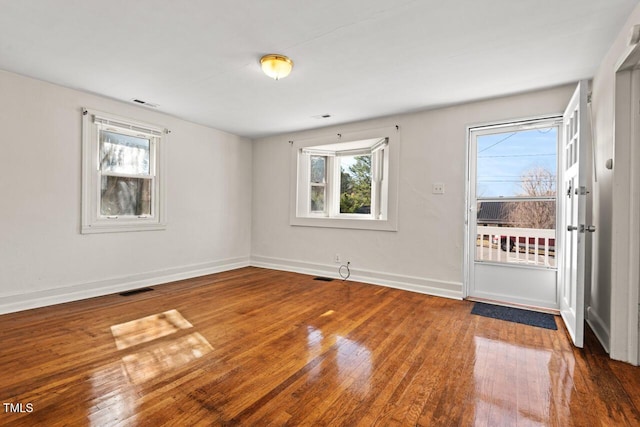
469, 251
625, 234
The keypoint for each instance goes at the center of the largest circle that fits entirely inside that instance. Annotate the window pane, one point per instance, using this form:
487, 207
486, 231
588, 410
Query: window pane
318, 169
125, 196
124, 154
519, 163
520, 232
539, 214
317, 198
355, 184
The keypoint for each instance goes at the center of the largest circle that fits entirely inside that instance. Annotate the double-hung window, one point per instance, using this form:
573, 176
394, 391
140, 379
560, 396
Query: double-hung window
346, 184
317, 184
122, 174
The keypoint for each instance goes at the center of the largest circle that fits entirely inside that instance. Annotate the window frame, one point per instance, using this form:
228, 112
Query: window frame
93, 221
384, 150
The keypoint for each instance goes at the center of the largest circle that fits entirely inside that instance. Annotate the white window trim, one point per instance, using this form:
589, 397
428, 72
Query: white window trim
386, 192
92, 221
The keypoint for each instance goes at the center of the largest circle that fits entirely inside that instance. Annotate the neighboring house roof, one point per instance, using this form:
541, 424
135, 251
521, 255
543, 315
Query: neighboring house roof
493, 213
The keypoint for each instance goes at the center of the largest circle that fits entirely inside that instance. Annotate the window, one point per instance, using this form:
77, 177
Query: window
346, 184
318, 183
513, 188
122, 174
355, 184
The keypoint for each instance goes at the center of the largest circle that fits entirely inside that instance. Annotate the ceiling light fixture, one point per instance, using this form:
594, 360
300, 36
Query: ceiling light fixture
276, 66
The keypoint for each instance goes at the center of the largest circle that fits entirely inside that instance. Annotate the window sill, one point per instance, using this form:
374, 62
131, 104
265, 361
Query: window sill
349, 223
110, 227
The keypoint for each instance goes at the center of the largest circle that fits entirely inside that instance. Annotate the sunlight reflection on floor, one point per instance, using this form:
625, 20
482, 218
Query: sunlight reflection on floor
164, 357
148, 328
161, 356
508, 395
353, 361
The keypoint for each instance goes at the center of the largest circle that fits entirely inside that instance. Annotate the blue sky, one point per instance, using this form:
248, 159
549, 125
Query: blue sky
503, 158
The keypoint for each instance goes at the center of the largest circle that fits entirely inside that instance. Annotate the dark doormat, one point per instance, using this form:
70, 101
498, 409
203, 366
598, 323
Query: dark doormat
526, 317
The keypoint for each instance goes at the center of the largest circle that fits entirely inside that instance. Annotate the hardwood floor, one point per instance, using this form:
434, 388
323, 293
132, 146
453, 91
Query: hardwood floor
261, 347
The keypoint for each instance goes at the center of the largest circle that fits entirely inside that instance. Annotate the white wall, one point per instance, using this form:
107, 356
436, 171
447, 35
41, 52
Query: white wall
43, 257
426, 253
610, 310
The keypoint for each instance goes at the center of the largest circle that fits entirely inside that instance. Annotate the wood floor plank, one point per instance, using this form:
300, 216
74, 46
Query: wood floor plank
265, 347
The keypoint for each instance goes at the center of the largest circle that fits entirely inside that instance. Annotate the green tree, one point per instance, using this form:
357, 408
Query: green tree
355, 186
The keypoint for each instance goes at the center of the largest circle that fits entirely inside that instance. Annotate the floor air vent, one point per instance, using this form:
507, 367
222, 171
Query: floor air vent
135, 292
324, 279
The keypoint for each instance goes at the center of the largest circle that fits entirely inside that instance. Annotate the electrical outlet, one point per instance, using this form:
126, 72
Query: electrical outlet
438, 188
336, 259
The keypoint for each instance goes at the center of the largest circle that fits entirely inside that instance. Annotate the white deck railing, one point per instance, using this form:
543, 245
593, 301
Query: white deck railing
531, 246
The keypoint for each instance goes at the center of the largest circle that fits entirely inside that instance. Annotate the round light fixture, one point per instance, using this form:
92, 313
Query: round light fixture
276, 66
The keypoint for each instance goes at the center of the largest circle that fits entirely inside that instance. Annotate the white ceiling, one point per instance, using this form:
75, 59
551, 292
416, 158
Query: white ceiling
354, 59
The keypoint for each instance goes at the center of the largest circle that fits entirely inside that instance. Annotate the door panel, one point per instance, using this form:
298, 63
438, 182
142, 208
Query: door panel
534, 287
575, 141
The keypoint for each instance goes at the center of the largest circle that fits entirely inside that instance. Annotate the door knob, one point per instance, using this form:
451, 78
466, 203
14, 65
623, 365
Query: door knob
590, 228
571, 228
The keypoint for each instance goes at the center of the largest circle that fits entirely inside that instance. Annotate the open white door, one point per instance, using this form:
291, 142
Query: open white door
576, 139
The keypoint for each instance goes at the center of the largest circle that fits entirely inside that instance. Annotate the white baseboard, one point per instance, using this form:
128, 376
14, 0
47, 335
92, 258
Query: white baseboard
599, 328
421, 285
13, 303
